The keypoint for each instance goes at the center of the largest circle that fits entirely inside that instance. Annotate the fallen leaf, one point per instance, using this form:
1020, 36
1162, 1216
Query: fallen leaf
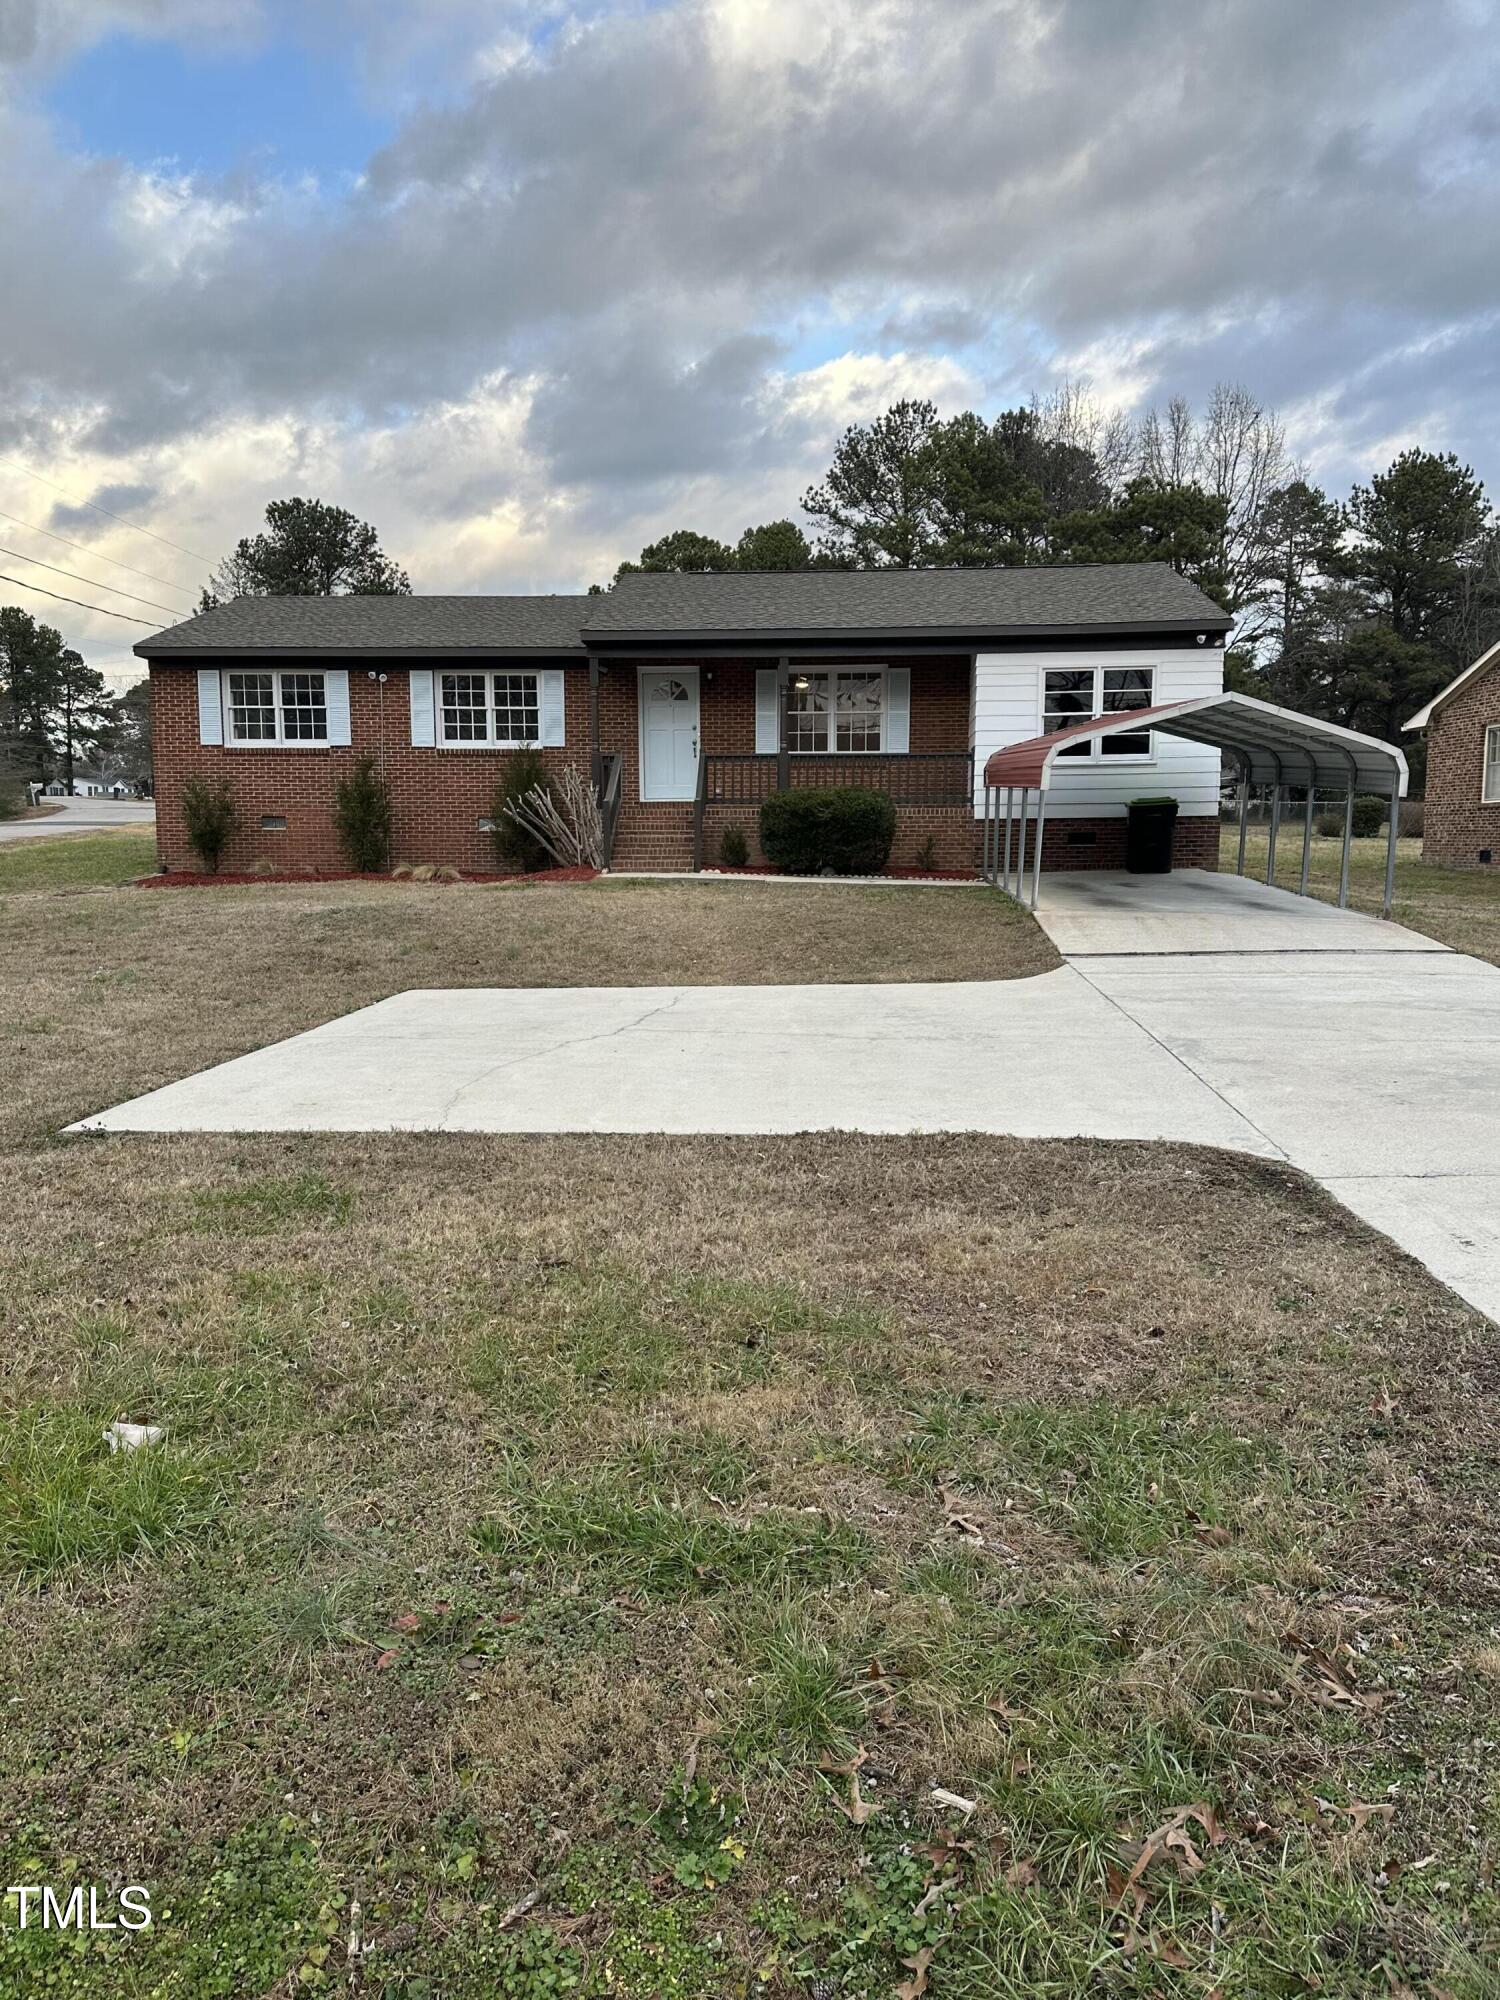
1022, 1875
390, 1653
859, 1809
916, 1986
1171, 1841
1361, 1814
828, 1762
409, 1621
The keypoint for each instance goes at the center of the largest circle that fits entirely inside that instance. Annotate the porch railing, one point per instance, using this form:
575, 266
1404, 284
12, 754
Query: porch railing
918, 778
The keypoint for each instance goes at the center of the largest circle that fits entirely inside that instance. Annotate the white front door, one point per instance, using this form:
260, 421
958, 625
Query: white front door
669, 733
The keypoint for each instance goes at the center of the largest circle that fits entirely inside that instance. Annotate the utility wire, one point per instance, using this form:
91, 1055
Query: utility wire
106, 513
102, 610
84, 550
92, 581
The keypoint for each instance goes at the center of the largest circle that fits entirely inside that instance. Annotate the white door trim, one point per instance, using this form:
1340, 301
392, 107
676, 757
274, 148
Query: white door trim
693, 678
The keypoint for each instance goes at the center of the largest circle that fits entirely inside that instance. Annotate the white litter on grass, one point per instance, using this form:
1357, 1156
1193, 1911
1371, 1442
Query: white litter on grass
130, 1437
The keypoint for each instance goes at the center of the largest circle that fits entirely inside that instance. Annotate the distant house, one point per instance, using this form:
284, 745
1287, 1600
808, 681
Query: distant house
1461, 817
692, 698
88, 783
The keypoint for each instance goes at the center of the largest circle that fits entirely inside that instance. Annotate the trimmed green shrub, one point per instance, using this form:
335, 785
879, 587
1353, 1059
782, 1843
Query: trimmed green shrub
210, 818
734, 849
362, 814
845, 829
516, 846
1369, 816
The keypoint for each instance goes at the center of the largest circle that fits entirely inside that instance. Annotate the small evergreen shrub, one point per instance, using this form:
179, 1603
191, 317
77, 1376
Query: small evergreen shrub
362, 814
1330, 825
210, 818
734, 849
1369, 816
841, 828
516, 846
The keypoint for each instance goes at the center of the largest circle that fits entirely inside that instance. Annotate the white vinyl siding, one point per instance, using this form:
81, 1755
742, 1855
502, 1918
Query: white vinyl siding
1009, 700
1490, 791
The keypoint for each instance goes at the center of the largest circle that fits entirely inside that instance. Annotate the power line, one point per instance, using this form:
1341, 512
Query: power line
102, 610
92, 581
207, 560
84, 550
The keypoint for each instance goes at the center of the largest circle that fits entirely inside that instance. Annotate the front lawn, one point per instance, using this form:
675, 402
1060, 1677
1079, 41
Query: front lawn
75, 861
109, 992
1457, 906
670, 1569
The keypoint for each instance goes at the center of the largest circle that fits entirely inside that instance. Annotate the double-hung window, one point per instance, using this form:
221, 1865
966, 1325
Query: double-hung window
836, 711
500, 710
276, 706
1490, 794
1071, 695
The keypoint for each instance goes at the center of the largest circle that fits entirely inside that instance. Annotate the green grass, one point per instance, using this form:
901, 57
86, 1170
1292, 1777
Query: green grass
76, 861
67, 1501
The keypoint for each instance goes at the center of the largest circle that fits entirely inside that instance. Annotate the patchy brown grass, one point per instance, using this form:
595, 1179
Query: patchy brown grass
568, 1516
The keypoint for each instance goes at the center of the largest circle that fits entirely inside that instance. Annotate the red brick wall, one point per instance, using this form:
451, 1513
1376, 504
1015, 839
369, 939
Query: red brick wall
437, 796
1457, 826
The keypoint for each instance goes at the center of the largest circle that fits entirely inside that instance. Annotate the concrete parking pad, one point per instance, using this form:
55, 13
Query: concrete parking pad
1364, 1054
1043, 1058
1193, 911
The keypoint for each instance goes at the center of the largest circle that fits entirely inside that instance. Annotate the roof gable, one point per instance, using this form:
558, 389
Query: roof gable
1482, 665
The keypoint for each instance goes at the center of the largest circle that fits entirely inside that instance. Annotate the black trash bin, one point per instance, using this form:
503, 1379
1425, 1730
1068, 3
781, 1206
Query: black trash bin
1148, 836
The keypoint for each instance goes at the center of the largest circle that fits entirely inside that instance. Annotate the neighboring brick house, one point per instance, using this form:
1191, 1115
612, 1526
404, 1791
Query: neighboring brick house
1461, 813
691, 699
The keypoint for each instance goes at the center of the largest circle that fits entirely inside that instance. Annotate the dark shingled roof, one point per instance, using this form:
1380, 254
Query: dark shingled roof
367, 625
972, 602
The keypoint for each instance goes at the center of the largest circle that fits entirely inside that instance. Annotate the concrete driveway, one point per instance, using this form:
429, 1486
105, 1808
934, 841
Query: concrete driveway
1370, 1058
81, 816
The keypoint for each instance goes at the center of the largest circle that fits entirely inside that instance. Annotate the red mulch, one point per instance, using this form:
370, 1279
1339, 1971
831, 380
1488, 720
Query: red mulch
890, 874
192, 879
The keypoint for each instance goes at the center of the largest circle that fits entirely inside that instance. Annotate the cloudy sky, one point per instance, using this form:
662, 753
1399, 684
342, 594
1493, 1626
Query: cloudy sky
527, 287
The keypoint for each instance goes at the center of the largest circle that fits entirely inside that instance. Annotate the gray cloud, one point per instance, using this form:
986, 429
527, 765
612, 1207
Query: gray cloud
122, 497
1304, 197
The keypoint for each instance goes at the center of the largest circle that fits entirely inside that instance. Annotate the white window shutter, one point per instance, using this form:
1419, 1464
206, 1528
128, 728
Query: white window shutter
550, 702
210, 705
898, 710
336, 696
423, 717
767, 728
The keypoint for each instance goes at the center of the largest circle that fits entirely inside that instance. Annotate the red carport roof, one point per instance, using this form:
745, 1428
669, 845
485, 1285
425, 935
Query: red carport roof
1273, 745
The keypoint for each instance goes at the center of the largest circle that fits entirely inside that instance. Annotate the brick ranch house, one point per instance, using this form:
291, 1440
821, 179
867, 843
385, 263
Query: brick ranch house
691, 699
1461, 815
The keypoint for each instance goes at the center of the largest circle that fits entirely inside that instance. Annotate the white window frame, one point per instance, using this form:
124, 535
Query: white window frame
1090, 748
832, 674
489, 741
280, 741
1489, 788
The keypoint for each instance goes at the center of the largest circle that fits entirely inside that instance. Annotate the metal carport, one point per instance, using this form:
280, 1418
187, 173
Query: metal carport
1277, 749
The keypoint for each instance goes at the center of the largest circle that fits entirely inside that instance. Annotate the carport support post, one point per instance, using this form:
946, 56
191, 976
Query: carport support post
1010, 800
1348, 836
1244, 814
1307, 827
1275, 829
987, 850
1036, 859
1390, 849
1021, 844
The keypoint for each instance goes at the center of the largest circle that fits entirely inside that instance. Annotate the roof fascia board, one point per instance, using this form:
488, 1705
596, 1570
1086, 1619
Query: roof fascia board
184, 655
1424, 715
957, 639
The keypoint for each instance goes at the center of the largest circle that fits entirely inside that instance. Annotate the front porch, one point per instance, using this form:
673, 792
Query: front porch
687, 752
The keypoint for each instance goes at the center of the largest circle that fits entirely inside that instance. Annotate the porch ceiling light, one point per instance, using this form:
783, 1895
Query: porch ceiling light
800, 683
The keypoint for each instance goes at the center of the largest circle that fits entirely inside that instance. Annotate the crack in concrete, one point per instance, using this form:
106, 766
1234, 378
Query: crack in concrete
551, 1049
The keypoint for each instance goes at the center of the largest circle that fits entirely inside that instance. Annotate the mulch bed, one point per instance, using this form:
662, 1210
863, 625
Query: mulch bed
885, 874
